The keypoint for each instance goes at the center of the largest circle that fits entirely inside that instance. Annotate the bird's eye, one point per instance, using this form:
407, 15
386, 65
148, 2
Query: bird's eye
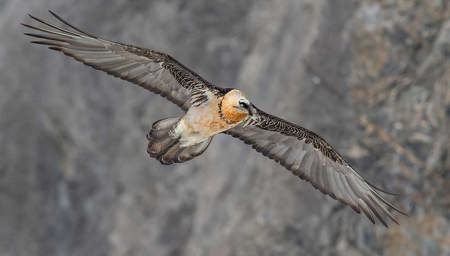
243, 104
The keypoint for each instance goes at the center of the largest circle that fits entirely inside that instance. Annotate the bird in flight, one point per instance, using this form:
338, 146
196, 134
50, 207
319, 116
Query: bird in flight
210, 110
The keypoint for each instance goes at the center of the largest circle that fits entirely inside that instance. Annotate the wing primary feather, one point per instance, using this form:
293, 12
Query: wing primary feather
381, 190
375, 211
70, 25
55, 48
44, 37
48, 31
52, 26
390, 204
385, 211
47, 43
367, 212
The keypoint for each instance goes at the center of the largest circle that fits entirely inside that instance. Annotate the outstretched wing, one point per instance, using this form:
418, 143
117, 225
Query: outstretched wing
311, 158
152, 70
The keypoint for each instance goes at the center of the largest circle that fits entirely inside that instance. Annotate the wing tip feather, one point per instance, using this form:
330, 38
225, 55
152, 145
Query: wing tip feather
59, 18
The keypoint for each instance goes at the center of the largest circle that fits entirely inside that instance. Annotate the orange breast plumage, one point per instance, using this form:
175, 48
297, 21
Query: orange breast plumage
232, 115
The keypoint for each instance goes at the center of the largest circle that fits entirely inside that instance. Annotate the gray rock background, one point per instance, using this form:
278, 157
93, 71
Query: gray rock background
372, 77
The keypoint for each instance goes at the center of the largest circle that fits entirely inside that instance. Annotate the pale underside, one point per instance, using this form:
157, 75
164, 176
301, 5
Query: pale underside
201, 122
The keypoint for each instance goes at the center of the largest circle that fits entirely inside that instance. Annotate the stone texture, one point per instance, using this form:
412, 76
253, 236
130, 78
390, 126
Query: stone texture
369, 76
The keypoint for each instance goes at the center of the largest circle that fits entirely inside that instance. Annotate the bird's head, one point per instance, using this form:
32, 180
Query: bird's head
235, 107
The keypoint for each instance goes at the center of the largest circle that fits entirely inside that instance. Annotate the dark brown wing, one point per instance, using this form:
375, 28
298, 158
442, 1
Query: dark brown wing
152, 70
311, 158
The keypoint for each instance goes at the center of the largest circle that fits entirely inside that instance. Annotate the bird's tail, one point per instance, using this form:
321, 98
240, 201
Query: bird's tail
165, 146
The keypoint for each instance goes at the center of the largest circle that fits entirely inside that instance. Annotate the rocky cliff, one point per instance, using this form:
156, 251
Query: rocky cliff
372, 77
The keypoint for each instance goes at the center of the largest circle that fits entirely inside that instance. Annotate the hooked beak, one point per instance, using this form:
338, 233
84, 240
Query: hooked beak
251, 109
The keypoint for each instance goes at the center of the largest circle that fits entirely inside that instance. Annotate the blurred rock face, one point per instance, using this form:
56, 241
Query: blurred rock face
369, 76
